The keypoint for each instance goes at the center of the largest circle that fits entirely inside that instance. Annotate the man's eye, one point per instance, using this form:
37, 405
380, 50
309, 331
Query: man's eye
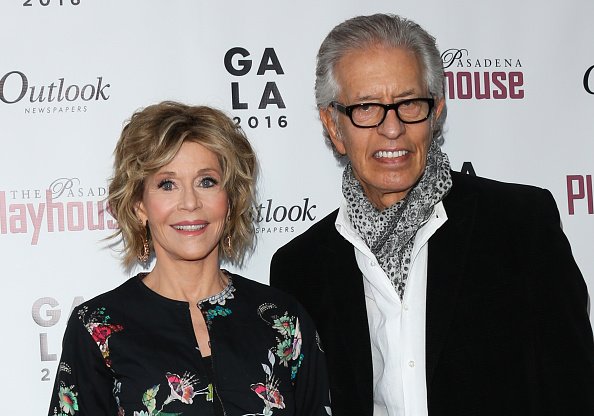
166, 184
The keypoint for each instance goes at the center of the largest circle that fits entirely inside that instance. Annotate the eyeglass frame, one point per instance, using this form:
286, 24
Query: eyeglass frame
348, 110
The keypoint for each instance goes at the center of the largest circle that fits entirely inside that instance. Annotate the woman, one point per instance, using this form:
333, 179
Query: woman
188, 338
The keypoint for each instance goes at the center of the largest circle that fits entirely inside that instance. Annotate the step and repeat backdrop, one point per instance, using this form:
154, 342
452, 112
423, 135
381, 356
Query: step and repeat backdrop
520, 91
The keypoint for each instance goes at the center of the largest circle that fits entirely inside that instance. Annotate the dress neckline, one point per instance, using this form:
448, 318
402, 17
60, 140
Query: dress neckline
219, 298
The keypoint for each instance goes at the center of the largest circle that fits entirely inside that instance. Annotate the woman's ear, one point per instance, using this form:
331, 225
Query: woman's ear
140, 212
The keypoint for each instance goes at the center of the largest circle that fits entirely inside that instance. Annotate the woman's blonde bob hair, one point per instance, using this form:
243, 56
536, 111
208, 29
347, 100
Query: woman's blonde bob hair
151, 139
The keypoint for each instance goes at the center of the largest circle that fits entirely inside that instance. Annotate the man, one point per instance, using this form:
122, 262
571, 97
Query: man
434, 293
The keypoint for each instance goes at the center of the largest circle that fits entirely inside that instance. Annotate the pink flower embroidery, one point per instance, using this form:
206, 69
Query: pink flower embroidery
270, 395
101, 333
182, 388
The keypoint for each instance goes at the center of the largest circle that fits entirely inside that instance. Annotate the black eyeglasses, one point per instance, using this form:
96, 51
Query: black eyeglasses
368, 115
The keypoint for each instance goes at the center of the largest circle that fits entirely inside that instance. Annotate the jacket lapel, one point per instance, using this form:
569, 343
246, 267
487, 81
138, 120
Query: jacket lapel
347, 298
347, 292
448, 249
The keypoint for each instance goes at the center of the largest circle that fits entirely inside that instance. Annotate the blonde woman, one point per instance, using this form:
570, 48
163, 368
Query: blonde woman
188, 337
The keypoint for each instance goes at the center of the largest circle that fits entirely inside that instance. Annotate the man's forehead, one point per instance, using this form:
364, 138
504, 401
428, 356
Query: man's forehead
402, 52
376, 72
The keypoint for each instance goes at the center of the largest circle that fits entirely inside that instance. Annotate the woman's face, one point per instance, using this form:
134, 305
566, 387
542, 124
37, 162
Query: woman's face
186, 206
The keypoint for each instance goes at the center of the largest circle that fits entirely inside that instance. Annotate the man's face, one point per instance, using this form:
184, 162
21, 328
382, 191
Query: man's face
387, 160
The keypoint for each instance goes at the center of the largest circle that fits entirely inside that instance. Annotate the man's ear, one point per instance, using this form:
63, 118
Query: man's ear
332, 129
439, 108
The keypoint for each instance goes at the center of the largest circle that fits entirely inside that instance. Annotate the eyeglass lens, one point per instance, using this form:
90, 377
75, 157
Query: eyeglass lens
371, 114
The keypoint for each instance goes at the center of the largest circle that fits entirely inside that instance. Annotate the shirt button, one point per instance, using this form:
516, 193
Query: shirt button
372, 263
411, 364
405, 307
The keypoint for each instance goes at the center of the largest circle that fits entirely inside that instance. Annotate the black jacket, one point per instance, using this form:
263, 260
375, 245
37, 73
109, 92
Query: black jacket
507, 327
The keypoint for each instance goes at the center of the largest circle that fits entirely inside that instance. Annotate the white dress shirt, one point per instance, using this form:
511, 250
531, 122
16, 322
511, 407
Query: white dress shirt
396, 328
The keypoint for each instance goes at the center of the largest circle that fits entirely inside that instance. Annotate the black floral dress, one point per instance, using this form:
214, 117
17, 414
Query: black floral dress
133, 352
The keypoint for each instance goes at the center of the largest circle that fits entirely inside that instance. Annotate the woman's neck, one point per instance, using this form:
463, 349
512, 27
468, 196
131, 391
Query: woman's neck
189, 281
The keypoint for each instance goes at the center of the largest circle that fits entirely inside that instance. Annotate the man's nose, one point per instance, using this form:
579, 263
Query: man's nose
392, 127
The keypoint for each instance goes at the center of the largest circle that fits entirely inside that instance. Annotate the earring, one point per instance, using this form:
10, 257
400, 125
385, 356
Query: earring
145, 252
227, 240
227, 245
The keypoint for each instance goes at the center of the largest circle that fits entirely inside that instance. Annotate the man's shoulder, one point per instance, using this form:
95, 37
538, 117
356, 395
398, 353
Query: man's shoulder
318, 234
494, 190
509, 202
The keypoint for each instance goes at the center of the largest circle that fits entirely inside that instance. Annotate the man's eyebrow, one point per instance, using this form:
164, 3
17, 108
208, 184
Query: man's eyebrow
405, 93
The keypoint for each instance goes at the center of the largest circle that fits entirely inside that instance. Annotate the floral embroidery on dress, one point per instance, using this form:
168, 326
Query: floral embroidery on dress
117, 388
268, 391
210, 314
289, 346
67, 396
97, 323
68, 400
220, 299
181, 389
319, 342
287, 350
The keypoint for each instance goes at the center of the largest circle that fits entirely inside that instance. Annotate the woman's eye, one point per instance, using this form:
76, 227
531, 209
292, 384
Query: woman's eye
166, 185
208, 182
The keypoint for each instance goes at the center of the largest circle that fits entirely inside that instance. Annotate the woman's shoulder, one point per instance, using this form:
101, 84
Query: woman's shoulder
273, 305
112, 300
253, 292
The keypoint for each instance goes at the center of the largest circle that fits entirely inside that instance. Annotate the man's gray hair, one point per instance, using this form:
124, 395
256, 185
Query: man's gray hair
389, 30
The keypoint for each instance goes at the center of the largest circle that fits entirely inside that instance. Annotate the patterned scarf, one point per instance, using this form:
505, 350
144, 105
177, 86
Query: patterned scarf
390, 233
